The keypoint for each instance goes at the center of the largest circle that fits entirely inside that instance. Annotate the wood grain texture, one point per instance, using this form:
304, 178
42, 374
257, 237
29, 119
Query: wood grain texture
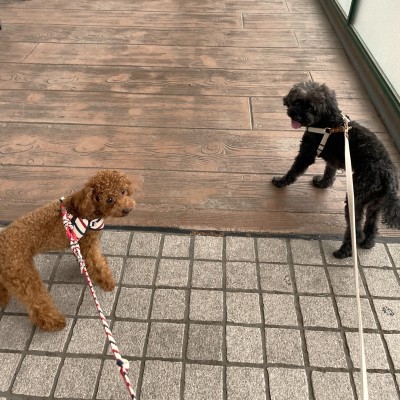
200, 57
268, 38
149, 80
183, 96
125, 109
209, 6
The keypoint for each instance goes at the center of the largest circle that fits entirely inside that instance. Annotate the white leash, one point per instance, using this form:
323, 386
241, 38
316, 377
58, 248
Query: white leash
350, 200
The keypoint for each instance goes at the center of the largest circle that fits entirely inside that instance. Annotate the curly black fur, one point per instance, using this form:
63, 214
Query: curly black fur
374, 174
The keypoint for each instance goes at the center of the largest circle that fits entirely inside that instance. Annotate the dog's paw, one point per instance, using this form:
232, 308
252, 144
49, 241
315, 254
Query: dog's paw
107, 283
343, 252
367, 243
4, 298
319, 182
279, 182
53, 321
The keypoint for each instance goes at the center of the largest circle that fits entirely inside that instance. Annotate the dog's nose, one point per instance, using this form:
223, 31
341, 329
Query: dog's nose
126, 211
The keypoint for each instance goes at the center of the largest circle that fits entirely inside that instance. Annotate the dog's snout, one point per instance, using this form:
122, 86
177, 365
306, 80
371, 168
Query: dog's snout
126, 211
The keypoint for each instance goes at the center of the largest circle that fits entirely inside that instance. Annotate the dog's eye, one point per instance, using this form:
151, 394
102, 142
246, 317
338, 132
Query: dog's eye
110, 200
123, 192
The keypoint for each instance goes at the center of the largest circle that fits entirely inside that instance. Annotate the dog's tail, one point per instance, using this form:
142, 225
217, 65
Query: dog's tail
391, 211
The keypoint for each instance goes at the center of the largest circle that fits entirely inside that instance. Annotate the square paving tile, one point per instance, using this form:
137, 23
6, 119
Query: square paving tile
161, 377
130, 337
287, 384
272, 250
244, 344
320, 354
275, 277
382, 282
343, 281
332, 385
203, 382
311, 279
87, 337
388, 312
279, 309
375, 257
169, 304
375, 356
207, 274
318, 311
208, 247
206, 305
165, 340
284, 346
14, 332
176, 246
115, 242
306, 251
241, 275
380, 386
139, 271
245, 383
111, 385
77, 378
393, 342
36, 376
347, 307
50, 341
243, 308
133, 303
8, 366
205, 342
240, 249
145, 244
173, 272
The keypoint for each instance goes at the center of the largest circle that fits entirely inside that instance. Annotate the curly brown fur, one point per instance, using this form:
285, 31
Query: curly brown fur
106, 194
310, 104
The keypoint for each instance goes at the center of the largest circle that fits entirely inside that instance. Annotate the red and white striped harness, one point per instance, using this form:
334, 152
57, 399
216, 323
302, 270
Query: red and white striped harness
81, 225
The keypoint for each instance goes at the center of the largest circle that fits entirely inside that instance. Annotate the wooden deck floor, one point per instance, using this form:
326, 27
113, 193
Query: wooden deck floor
184, 96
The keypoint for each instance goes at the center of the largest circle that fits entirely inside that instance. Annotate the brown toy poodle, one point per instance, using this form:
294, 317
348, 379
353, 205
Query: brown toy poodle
107, 194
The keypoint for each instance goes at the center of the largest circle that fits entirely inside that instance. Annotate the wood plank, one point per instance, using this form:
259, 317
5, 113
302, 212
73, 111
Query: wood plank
318, 39
270, 114
125, 109
148, 80
144, 36
202, 150
304, 6
209, 6
199, 57
14, 52
296, 21
228, 202
121, 18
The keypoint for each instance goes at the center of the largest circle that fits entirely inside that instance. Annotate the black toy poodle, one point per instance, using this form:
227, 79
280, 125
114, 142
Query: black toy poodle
314, 106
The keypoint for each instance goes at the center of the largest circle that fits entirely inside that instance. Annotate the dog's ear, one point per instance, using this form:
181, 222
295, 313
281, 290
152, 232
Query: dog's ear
83, 202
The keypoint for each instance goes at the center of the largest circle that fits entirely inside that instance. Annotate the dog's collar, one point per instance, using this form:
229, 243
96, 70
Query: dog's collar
326, 132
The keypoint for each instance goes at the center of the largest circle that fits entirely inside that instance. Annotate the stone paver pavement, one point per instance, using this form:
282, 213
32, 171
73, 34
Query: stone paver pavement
210, 317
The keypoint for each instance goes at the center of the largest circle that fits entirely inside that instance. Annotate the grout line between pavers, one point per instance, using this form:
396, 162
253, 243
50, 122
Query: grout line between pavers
224, 324
186, 318
146, 341
379, 326
263, 325
300, 322
342, 331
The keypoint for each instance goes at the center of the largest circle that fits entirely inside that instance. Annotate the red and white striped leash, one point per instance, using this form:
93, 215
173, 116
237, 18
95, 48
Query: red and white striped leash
122, 363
